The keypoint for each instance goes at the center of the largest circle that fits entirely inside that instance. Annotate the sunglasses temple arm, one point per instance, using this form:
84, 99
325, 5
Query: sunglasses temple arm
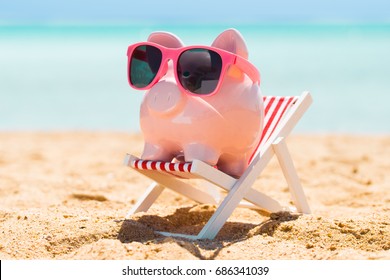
248, 68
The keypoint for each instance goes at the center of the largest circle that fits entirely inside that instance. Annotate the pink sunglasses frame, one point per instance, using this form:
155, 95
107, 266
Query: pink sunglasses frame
173, 54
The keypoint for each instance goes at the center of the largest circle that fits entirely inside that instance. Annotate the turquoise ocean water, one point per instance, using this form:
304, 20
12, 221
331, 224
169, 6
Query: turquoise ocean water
74, 78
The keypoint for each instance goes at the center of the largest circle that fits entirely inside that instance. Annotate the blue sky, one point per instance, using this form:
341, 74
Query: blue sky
195, 11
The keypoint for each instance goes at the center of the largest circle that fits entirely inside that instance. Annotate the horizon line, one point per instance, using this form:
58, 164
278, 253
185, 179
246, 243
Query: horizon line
194, 23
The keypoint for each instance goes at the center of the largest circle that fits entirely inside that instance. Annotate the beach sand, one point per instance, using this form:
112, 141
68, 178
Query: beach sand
65, 195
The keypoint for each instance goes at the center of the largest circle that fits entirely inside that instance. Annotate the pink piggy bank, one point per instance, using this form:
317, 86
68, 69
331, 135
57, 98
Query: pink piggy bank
202, 102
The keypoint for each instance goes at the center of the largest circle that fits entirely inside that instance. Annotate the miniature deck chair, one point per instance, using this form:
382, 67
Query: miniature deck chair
281, 115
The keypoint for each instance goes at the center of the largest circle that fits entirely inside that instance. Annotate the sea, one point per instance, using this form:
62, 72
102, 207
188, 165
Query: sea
71, 78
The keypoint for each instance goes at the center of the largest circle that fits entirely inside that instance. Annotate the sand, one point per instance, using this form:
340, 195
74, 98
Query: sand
65, 195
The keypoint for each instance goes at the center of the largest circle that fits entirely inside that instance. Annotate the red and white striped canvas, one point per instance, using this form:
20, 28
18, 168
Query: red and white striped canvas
162, 166
275, 107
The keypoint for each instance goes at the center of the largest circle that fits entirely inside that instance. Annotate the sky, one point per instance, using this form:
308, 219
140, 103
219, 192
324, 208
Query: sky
196, 11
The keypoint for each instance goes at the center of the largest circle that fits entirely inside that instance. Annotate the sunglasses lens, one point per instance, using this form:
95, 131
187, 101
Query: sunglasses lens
199, 70
145, 62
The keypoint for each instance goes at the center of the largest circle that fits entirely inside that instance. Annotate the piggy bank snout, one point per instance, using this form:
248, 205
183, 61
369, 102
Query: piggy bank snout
164, 99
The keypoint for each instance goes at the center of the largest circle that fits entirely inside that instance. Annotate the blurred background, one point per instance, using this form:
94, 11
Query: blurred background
63, 63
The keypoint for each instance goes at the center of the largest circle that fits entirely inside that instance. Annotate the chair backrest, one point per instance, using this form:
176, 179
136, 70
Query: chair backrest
275, 107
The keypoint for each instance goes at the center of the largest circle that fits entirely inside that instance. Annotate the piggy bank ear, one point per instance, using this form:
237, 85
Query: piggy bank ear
232, 41
165, 39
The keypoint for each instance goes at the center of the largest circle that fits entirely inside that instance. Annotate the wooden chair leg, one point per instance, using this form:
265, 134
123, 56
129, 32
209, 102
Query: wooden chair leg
290, 173
147, 199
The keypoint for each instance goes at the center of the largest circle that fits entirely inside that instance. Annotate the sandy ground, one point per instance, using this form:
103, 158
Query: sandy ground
65, 196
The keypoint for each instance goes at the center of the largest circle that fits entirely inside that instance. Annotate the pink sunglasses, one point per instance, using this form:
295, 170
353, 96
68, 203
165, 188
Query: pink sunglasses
199, 70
